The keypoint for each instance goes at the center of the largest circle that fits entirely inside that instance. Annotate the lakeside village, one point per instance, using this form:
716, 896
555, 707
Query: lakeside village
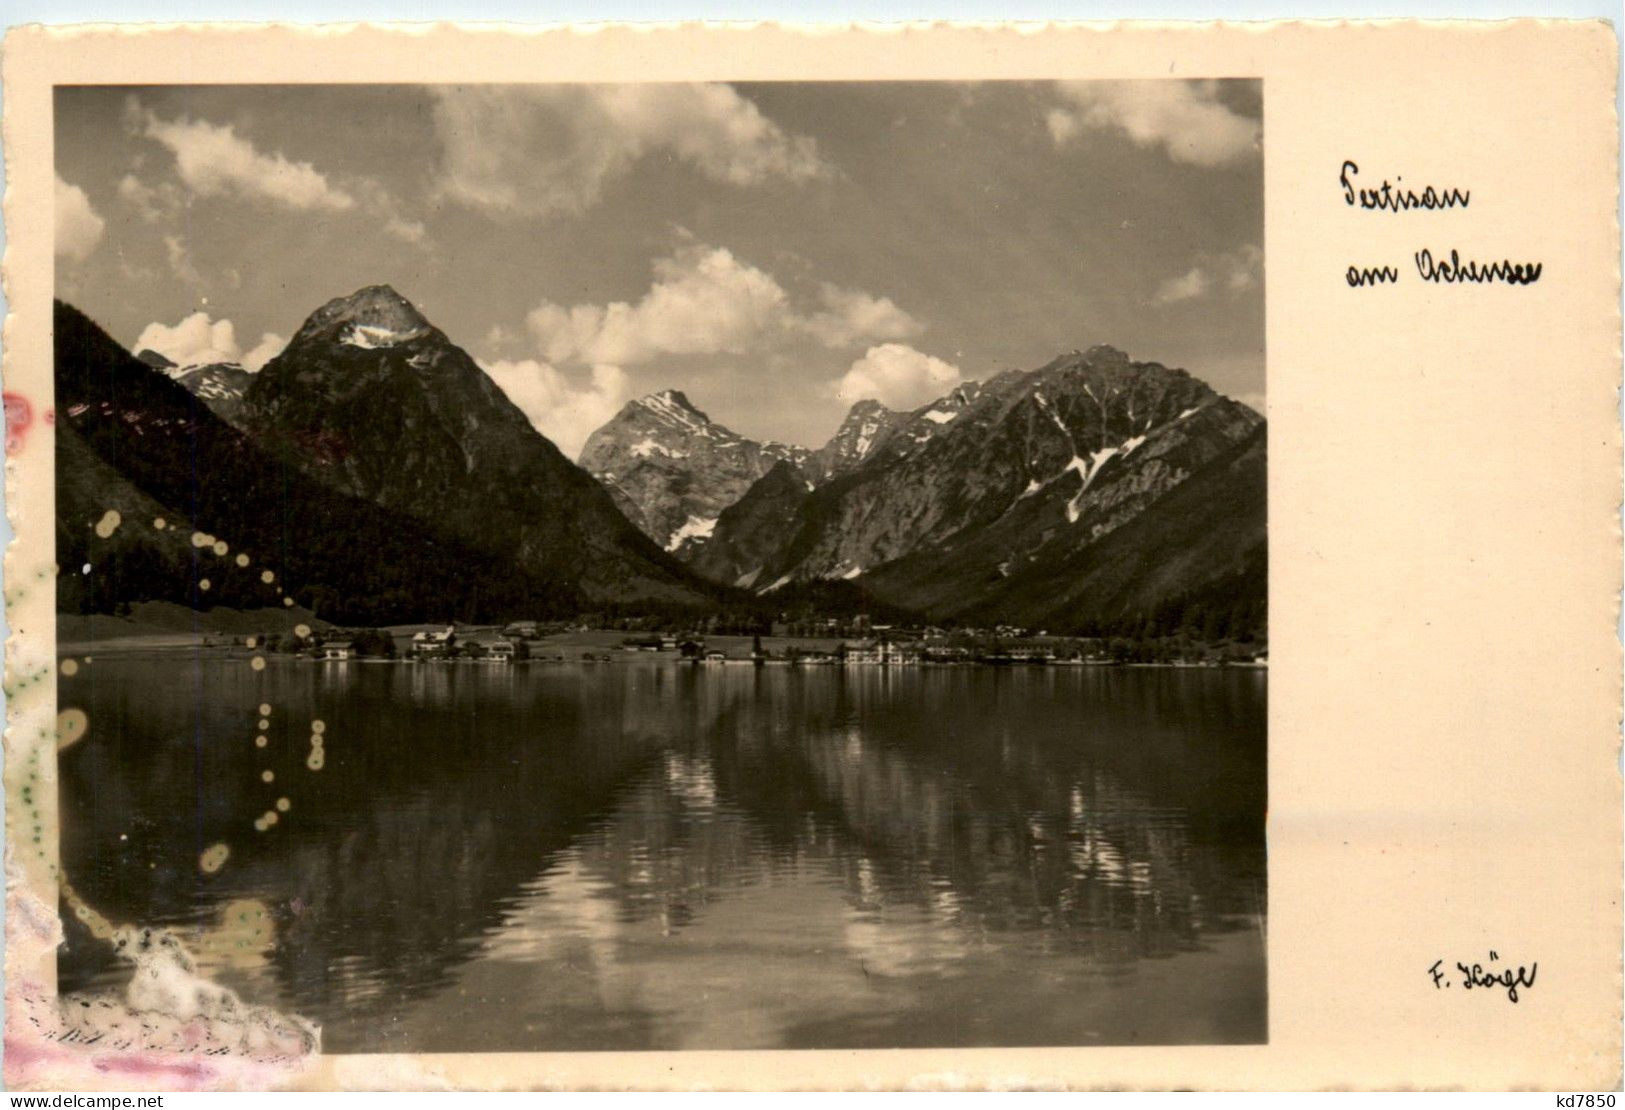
832, 642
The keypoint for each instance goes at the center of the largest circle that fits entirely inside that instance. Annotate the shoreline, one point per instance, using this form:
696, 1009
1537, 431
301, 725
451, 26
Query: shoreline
88, 651
600, 646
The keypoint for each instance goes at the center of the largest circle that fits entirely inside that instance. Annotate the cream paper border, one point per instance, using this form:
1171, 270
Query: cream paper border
1444, 475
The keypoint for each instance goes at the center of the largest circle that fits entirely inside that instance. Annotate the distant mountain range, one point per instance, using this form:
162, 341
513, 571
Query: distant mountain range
672, 469
388, 478
378, 472
136, 443
372, 400
219, 385
1011, 500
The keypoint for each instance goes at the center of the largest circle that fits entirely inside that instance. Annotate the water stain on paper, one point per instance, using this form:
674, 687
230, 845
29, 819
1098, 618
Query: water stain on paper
171, 1027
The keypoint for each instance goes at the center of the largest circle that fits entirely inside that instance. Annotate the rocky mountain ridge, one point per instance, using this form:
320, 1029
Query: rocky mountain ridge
993, 490
372, 400
1089, 491
204, 516
219, 385
672, 469
748, 532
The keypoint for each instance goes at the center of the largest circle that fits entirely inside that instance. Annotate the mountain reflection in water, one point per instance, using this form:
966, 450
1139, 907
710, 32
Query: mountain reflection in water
648, 855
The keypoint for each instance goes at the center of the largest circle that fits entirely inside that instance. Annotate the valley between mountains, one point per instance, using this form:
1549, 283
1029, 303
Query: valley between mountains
389, 479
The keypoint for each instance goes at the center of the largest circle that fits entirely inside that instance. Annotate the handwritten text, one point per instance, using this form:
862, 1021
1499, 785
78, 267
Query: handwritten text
1477, 976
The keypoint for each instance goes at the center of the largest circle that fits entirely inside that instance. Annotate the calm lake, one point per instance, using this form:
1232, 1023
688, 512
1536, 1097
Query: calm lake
644, 854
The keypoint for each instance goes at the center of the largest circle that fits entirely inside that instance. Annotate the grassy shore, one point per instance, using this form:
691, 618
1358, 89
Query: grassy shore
164, 626
160, 628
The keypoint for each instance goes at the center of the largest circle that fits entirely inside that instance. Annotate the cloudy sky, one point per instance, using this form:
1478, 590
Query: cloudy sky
776, 251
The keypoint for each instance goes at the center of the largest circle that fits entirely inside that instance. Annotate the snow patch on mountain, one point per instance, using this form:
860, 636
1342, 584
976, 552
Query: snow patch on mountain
673, 408
695, 528
866, 439
1087, 469
370, 337
1044, 404
674, 470
646, 447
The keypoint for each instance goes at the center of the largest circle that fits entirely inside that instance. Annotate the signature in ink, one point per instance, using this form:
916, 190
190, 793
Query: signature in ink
1480, 976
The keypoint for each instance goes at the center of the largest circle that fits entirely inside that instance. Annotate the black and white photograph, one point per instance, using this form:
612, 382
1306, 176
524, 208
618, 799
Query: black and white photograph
576, 567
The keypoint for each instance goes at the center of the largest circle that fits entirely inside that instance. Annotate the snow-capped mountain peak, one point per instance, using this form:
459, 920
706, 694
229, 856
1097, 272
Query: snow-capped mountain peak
219, 385
672, 469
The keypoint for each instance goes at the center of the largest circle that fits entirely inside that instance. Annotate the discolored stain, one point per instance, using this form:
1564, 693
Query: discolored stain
71, 726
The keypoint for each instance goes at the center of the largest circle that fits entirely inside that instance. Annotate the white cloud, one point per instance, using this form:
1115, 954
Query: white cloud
78, 228
1185, 118
213, 160
194, 341
851, 316
151, 202
1188, 286
897, 376
180, 260
703, 301
133, 273
564, 408
548, 149
198, 340
501, 338
706, 301
1236, 270
377, 202
1242, 267
269, 346
408, 231
1064, 126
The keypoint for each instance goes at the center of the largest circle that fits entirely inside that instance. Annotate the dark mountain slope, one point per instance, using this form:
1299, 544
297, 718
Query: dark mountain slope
867, 423
1205, 540
372, 400
1050, 459
995, 503
137, 562
672, 469
749, 532
219, 385
138, 442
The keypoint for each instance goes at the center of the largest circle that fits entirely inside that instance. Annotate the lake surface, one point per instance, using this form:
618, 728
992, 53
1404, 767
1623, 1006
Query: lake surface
649, 855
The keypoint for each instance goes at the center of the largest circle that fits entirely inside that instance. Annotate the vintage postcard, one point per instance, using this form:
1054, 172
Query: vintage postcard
1067, 556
